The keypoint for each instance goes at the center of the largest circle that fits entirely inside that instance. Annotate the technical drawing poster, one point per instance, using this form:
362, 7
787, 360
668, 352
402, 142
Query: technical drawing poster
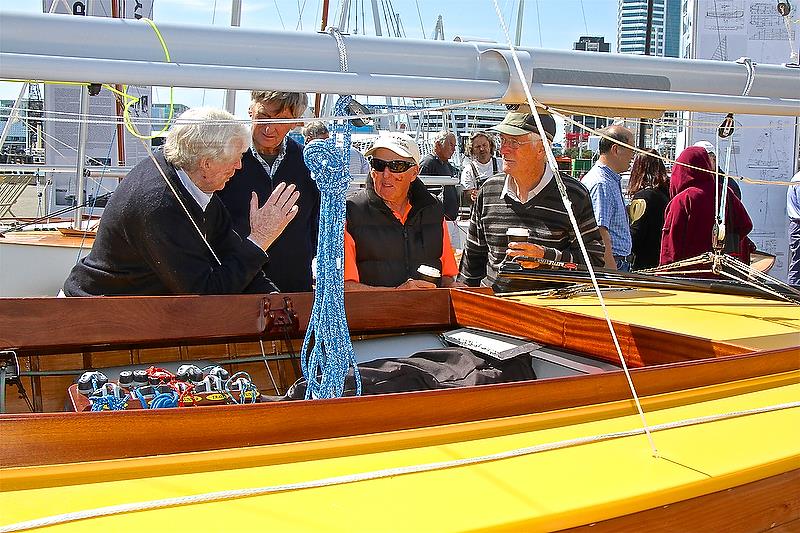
62, 108
762, 147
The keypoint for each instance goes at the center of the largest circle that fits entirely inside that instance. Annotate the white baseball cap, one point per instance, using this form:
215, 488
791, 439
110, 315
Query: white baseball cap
399, 143
707, 146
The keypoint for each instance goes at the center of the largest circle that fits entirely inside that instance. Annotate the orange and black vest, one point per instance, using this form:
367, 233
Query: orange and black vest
389, 252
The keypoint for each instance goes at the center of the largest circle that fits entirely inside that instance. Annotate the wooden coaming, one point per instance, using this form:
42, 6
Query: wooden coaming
59, 325
222, 327
641, 346
37, 439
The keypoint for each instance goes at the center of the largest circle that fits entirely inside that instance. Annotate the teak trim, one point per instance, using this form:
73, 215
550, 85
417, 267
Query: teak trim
37, 439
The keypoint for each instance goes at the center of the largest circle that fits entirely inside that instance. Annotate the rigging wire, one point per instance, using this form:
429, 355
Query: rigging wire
363, 18
568, 205
419, 14
280, 18
583, 12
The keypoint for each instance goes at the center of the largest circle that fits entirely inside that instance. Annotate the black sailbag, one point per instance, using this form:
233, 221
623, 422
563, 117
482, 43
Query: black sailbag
439, 368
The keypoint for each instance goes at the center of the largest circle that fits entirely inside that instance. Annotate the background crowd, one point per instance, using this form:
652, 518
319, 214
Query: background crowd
227, 209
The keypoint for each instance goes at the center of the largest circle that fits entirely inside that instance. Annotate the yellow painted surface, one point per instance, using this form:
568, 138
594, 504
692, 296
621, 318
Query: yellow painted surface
542, 491
750, 322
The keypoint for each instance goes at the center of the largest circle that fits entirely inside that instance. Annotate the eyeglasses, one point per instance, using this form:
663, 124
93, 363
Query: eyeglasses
397, 165
513, 143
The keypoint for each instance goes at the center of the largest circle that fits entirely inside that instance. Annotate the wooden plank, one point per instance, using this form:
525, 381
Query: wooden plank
41, 324
758, 506
640, 345
65, 438
53, 325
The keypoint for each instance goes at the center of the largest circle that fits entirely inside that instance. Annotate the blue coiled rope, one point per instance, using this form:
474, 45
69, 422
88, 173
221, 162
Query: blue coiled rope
325, 365
160, 400
112, 403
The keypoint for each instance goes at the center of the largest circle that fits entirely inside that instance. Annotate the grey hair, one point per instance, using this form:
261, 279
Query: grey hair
315, 130
296, 102
204, 133
441, 136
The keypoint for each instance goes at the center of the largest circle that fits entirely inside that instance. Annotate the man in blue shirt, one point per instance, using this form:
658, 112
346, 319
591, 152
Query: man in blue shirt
605, 190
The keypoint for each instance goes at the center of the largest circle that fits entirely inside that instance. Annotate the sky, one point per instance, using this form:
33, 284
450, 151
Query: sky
552, 24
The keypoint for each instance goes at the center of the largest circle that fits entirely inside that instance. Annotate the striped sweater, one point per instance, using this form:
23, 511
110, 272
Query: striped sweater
545, 217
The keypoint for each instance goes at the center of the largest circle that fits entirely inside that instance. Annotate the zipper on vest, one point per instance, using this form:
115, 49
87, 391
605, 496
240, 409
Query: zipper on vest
406, 253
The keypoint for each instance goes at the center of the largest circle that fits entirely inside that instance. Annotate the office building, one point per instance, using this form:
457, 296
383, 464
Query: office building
632, 27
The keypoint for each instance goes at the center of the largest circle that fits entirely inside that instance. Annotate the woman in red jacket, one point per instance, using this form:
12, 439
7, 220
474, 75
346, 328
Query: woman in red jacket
690, 215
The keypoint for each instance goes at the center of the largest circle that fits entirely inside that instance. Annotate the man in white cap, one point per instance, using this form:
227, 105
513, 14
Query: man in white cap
712, 154
394, 225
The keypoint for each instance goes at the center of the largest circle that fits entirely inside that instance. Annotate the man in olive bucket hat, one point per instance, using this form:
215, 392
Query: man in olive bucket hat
526, 197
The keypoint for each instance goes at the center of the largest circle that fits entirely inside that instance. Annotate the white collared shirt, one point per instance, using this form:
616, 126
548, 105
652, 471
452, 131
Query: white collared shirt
510, 189
202, 198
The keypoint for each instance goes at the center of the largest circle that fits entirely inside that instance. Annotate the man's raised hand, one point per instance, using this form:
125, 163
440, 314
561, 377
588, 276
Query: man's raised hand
268, 221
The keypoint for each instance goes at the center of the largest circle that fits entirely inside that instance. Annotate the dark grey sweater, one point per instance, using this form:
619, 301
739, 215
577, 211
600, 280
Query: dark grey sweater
545, 217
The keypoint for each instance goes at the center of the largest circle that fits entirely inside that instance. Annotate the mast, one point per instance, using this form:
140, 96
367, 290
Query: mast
236, 21
115, 13
520, 16
83, 133
376, 18
323, 26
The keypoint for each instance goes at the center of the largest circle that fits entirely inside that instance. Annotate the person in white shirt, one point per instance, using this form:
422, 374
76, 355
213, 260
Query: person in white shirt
481, 165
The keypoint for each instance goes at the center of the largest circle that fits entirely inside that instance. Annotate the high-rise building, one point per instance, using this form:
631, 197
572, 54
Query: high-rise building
632, 27
665, 41
575, 136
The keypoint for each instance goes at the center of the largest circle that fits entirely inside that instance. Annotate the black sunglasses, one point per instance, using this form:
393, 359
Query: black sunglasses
397, 165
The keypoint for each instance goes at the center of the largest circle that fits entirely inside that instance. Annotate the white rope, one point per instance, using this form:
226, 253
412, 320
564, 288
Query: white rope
568, 206
209, 497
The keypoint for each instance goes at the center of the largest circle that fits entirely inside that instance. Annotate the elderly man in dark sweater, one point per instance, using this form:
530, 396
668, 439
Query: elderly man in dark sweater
164, 231
274, 158
526, 197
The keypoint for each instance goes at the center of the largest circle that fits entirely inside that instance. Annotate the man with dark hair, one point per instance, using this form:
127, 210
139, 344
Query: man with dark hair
605, 189
526, 197
273, 157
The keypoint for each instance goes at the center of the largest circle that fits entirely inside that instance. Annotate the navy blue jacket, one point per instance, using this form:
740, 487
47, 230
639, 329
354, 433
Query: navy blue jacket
290, 255
147, 245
